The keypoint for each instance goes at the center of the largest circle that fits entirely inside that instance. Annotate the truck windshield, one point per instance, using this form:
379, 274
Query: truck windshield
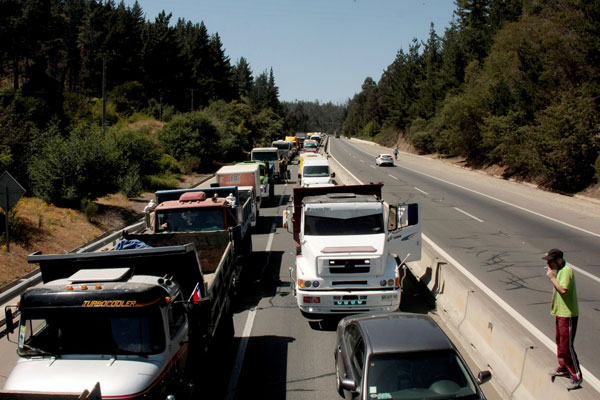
324, 226
282, 146
315, 170
190, 220
264, 156
74, 331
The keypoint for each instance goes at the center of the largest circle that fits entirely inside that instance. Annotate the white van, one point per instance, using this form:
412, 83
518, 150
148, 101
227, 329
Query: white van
316, 172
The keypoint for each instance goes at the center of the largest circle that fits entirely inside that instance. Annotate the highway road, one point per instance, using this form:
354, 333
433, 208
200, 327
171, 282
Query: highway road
498, 230
277, 354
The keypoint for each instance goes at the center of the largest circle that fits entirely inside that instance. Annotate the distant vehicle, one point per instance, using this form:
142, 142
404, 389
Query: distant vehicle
384, 159
310, 146
316, 172
303, 157
400, 356
337, 135
271, 155
294, 141
301, 136
285, 148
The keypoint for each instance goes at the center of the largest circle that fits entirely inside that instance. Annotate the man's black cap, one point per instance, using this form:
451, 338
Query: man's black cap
553, 254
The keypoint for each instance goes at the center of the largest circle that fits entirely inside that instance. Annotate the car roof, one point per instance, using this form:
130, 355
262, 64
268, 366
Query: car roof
316, 161
402, 333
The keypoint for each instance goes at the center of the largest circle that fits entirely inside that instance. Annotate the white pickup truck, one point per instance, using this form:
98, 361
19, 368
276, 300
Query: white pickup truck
351, 248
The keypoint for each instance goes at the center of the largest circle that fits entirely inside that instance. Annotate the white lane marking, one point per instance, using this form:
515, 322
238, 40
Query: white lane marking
392, 176
422, 191
524, 322
467, 214
509, 310
576, 268
498, 200
239, 360
510, 204
361, 161
372, 166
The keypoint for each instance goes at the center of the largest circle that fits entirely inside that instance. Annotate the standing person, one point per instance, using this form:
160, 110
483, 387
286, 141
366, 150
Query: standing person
396, 153
566, 310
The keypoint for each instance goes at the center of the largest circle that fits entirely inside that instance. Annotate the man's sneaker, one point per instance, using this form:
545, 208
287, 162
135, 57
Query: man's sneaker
558, 372
574, 384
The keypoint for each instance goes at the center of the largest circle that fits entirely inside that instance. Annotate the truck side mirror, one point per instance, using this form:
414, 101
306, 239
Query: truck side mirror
333, 174
8, 317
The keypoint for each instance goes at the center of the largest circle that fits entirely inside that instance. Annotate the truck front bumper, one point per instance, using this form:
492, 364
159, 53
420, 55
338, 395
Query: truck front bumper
347, 302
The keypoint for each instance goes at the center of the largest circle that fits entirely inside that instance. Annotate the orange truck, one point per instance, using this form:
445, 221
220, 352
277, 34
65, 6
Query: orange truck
241, 175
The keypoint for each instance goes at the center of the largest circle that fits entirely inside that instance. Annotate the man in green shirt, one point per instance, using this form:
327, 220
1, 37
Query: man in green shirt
566, 310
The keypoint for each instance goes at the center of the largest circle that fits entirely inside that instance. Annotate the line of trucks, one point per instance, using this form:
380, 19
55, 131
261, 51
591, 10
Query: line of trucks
137, 320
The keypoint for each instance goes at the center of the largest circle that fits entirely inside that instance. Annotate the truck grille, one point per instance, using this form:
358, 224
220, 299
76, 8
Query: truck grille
349, 266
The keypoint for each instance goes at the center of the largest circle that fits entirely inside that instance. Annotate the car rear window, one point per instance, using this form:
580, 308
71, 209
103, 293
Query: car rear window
419, 375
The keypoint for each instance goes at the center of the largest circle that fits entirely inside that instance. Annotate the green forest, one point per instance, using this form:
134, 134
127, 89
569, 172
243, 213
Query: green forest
96, 99
512, 83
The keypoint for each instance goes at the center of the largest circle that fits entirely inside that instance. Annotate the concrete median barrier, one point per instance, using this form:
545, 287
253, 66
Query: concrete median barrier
518, 360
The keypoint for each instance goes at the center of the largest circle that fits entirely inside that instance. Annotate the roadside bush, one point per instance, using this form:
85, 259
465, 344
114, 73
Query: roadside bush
18, 229
65, 170
162, 112
137, 150
111, 112
160, 182
130, 184
190, 137
77, 108
129, 98
89, 208
420, 137
168, 164
566, 133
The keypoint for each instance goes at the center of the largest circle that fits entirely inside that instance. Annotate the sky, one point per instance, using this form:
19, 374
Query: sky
319, 50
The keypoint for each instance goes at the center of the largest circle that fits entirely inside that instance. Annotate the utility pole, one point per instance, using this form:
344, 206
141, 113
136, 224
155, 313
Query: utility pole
103, 94
192, 98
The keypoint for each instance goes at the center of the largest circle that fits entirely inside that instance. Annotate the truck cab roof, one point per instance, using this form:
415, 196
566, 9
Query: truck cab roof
341, 198
191, 203
125, 292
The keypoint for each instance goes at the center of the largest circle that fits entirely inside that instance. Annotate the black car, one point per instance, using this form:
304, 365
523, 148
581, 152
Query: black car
400, 356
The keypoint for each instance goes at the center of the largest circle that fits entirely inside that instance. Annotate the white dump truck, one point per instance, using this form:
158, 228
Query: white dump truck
351, 248
123, 320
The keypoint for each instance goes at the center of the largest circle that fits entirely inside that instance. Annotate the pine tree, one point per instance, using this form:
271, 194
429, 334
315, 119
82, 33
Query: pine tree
242, 77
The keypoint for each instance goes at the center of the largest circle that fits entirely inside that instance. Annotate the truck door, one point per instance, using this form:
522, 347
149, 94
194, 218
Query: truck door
404, 231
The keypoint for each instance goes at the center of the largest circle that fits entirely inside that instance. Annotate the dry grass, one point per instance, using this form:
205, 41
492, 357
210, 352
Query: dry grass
51, 229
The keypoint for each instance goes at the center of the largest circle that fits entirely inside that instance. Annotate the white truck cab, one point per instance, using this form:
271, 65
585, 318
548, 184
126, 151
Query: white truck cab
351, 249
316, 172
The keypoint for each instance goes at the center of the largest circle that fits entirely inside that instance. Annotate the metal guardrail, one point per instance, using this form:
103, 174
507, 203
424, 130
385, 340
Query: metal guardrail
19, 288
